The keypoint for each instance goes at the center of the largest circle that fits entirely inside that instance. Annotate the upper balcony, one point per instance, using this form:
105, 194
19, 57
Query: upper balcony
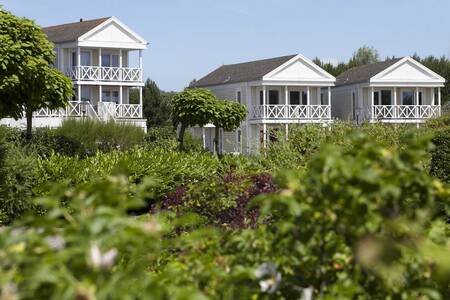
108, 74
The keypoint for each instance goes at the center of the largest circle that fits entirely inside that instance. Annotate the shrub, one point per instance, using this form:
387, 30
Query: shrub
104, 136
440, 161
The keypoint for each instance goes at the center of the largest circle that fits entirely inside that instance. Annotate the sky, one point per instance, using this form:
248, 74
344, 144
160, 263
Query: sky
190, 38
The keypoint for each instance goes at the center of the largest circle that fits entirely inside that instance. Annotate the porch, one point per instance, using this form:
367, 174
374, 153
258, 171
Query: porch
404, 104
290, 104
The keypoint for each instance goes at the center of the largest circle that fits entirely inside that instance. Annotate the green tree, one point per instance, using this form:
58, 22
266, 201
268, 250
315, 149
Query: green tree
27, 80
364, 55
192, 107
228, 116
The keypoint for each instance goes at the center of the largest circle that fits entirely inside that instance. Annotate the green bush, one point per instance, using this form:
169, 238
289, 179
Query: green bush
166, 137
440, 161
93, 135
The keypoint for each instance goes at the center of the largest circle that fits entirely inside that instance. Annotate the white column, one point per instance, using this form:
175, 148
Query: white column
416, 109
79, 93
395, 103
140, 100
78, 57
140, 63
100, 92
248, 100
286, 102
308, 102
120, 65
204, 138
439, 100
100, 73
264, 102
372, 109
329, 102
120, 94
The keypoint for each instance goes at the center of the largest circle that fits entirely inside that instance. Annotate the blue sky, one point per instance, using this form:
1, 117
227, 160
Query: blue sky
189, 38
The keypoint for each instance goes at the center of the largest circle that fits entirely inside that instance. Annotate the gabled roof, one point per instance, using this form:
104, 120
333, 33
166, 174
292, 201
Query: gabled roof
364, 73
72, 31
242, 72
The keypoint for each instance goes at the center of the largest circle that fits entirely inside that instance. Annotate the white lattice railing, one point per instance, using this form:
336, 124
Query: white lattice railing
405, 112
105, 111
95, 73
293, 112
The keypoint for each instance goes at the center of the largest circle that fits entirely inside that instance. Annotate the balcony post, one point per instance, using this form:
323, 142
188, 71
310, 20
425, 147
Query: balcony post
416, 108
372, 109
140, 65
100, 77
79, 93
140, 100
286, 102
264, 101
78, 63
308, 103
395, 103
329, 102
120, 94
264, 135
100, 92
287, 131
120, 66
439, 100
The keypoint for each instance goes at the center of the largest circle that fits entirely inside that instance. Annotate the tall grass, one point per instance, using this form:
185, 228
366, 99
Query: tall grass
93, 135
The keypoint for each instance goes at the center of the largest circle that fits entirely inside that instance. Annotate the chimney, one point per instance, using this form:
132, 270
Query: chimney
81, 20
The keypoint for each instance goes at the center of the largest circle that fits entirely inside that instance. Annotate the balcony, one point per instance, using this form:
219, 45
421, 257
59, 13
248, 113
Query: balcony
305, 113
106, 74
104, 111
405, 113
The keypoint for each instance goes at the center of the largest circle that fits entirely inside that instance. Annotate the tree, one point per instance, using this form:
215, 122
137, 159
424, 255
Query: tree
192, 107
27, 80
363, 56
228, 116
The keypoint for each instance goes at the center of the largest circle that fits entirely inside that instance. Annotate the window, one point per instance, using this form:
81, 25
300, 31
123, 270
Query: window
110, 60
238, 96
115, 61
273, 97
408, 98
420, 98
85, 58
294, 98
261, 97
115, 96
304, 98
85, 93
74, 59
322, 99
386, 97
106, 96
376, 98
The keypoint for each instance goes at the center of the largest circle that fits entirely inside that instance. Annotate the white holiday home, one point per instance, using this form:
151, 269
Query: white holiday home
277, 92
96, 55
394, 91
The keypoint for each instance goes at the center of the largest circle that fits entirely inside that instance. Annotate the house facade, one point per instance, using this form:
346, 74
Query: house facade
277, 92
97, 56
394, 91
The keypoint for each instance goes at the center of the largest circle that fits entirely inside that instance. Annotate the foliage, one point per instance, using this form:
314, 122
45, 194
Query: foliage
192, 107
442, 67
91, 135
440, 161
26, 79
363, 56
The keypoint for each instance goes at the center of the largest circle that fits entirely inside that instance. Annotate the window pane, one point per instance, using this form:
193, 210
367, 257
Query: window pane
85, 93
106, 96
106, 60
376, 97
239, 97
74, 59
304, 98
273, 97
420, 98
408, 98
85, 58
386, 97
115, 61
261, 97
294, 98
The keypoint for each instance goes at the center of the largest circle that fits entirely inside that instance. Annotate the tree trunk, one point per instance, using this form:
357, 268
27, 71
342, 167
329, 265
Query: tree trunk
29, 117
216, 140
181, 136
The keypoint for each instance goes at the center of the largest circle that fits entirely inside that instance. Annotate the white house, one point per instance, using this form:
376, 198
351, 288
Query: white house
394, 91
277, 92
95, 54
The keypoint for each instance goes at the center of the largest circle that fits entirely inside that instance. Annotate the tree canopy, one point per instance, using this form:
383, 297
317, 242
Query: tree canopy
27, 80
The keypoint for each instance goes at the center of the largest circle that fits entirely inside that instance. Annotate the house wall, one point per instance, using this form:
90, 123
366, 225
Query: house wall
341, 102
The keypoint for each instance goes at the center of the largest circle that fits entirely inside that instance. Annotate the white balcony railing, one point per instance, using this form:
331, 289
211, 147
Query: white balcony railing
405, 112
291, 112
94, 73
104, 111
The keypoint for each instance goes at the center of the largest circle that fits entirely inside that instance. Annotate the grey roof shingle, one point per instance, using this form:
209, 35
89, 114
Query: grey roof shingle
72, 31
363, 73
242, 72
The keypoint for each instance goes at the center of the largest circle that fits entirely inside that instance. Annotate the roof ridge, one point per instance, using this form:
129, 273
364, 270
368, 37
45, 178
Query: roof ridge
371, 64
73, 23
260, 60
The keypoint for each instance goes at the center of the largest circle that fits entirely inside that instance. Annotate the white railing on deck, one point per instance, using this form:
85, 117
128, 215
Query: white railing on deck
291, 112
405, 112
105, 111
95, 73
